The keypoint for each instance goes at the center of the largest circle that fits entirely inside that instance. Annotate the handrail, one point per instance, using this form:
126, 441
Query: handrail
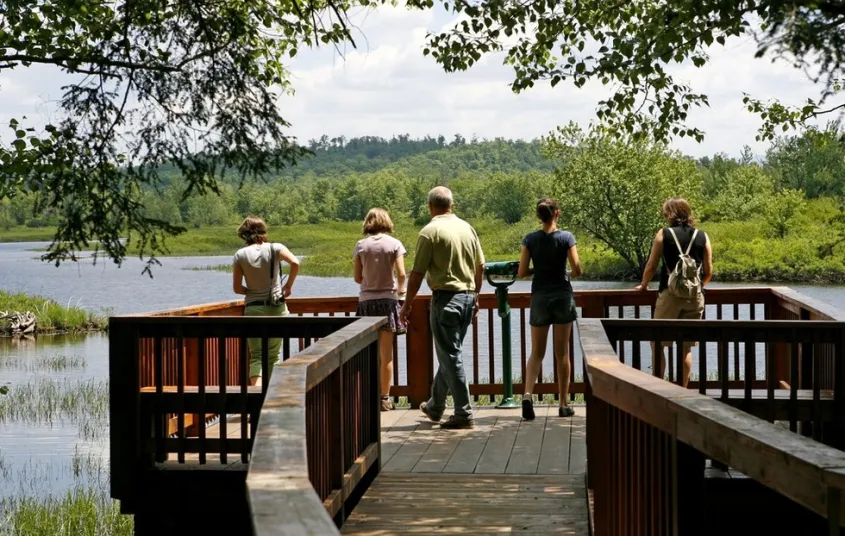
488, 300
281, 496
816, 308
810, 473
414, 353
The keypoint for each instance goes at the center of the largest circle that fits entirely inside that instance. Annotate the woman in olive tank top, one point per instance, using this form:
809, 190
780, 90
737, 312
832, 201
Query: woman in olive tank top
681, 223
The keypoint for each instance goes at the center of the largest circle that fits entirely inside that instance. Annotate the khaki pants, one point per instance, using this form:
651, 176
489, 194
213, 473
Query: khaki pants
669, 307
273, 345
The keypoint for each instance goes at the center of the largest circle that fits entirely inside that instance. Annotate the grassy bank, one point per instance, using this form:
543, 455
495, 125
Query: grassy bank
27, 234
50, 316
743, 251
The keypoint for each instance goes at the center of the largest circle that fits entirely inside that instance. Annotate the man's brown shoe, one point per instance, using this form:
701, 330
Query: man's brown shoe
454, 423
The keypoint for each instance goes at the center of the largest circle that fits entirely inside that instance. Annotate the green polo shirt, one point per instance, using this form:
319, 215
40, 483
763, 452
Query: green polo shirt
448, 251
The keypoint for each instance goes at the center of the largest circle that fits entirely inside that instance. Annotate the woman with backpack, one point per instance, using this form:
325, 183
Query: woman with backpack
687, 267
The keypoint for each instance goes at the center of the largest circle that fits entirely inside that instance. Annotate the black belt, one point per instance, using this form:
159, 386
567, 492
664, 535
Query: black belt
453, 292
259, 302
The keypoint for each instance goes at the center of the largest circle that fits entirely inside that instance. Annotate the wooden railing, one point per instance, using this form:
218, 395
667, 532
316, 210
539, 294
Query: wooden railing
414, 353
648, 439
814, 400
318, 441
171, 375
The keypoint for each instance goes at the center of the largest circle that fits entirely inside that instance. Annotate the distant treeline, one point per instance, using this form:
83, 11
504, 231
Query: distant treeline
498, 178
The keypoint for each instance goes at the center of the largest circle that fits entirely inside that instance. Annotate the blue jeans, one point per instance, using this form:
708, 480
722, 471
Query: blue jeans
451, 315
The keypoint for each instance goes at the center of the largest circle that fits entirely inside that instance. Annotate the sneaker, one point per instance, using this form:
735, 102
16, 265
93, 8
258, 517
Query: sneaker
455, 423
386, 403
528, 409
428, 413
565, 411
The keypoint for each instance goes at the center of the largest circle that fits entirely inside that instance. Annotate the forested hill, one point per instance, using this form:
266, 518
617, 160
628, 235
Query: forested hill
424, 158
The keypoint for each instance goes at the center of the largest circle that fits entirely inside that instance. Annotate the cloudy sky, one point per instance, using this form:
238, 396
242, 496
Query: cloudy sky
388, 87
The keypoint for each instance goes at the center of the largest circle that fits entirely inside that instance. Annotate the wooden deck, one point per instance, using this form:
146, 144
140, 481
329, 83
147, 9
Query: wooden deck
504, 476
500, 443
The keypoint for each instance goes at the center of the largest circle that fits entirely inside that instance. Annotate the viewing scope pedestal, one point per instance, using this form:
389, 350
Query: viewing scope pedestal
507, 270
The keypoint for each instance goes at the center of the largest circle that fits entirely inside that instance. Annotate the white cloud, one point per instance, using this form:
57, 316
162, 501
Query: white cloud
386, 86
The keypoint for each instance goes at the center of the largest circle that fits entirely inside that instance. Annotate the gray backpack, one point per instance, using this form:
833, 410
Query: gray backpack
685, 279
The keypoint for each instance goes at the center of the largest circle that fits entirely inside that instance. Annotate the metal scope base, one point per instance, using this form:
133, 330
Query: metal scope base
508, 403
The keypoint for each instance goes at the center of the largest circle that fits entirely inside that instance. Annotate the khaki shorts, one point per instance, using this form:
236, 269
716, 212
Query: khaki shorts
669, 307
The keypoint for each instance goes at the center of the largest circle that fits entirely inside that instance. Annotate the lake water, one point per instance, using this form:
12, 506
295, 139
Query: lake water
52, 450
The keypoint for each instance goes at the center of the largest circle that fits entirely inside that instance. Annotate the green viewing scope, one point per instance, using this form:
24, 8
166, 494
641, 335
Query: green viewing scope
504, 269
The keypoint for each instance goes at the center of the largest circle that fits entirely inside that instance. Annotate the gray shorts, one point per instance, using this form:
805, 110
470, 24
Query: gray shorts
552, 308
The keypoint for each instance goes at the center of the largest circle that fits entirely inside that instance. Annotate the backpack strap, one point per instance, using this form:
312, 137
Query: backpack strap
691, 240
672, 232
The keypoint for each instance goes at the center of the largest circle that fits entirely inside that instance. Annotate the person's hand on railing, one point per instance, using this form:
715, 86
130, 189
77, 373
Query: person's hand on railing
641, 287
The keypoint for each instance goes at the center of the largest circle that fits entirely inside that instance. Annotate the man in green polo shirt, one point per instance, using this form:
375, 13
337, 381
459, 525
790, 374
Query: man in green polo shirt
449, 256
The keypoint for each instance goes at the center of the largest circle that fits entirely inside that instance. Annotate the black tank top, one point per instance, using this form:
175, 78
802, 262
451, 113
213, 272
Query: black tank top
671, 253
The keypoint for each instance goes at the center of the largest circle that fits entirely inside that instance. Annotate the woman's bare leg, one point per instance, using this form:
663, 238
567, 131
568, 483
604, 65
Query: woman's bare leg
562, 334
539, 339
385, 348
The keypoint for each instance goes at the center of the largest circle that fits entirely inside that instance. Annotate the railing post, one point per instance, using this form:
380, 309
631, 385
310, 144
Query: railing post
592, 306
781, 353
420, 353
191, 349
124, 404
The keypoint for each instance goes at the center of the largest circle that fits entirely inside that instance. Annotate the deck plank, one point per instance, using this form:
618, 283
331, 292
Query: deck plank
416, 503
466, 455
413, 447
406, 422
578, 442
497, 451
442, 448
525, 455
554, 455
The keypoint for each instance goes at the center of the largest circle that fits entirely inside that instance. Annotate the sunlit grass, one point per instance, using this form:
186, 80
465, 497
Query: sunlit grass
50, 316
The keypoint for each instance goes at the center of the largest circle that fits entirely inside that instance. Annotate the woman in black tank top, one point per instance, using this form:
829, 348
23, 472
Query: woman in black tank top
680, 221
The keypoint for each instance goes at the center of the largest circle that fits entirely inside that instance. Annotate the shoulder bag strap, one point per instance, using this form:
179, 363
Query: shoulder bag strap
272, 266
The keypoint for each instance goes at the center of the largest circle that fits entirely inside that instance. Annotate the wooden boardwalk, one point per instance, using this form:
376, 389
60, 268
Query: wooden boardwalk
504, 476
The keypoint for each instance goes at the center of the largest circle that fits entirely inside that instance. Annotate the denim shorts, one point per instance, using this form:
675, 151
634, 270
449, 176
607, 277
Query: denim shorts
552, 308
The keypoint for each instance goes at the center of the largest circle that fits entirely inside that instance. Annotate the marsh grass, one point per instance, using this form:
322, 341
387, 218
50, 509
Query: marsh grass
80, 512
50, 401
51, 316
53, 363
32, 508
